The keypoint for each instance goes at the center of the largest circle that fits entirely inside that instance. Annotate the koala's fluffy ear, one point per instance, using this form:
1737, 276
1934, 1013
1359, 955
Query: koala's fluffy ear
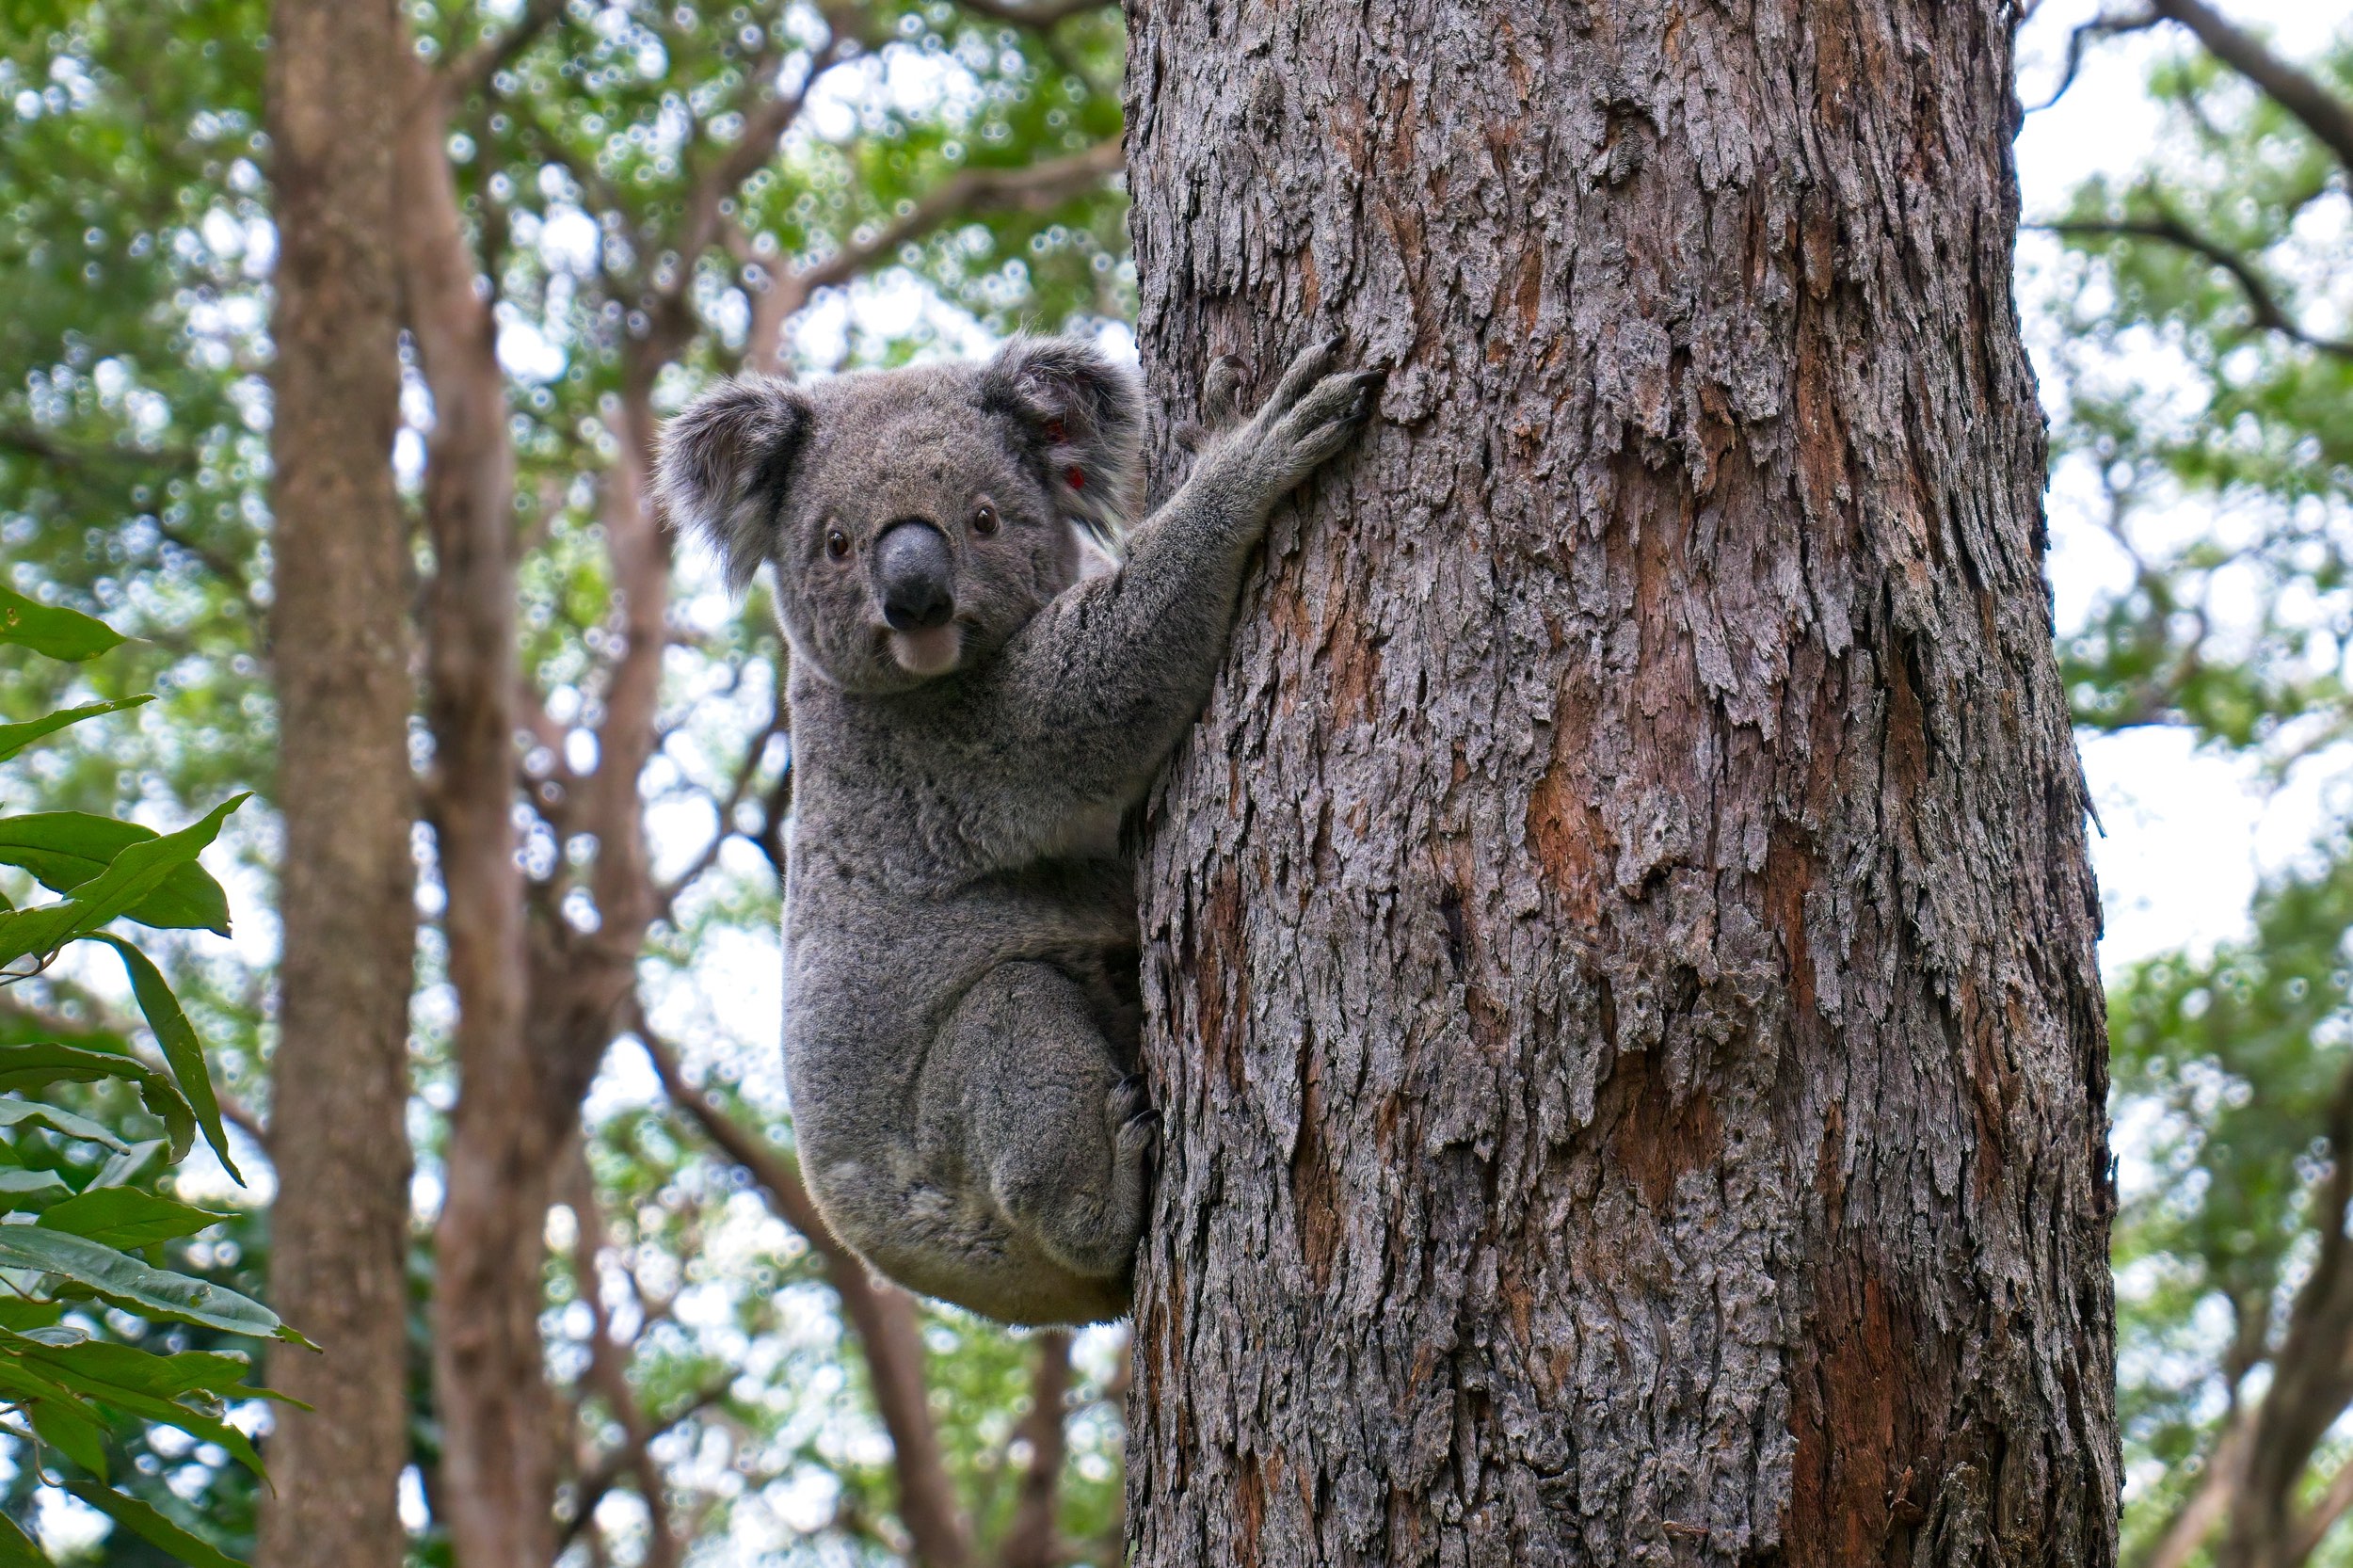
1084, 417
724, 459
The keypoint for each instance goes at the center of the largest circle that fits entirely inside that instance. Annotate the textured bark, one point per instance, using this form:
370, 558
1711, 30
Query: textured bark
340, 653
1619, 947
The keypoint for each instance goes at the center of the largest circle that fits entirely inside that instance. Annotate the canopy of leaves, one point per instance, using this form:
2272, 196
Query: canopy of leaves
135, 251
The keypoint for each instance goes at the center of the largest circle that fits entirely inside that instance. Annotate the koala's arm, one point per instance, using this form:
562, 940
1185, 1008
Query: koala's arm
1101, 685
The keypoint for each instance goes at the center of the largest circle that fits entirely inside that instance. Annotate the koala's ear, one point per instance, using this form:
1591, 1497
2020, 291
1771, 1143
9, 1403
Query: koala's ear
723, 462
1082, 416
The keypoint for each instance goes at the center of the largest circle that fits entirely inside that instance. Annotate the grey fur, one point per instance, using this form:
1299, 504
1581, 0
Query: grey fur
960, 942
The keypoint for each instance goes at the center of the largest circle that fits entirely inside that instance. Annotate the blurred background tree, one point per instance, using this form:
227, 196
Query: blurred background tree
662, 1358
2200, 324
654, 1342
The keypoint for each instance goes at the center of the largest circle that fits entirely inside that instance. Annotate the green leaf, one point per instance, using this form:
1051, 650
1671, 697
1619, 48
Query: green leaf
183, 1051
23, 1386
31, 1188
125, 1217
57, 1414
134, 873
37, 1064
218, 1374
16, 737
65, 850
134, 1286
65, 1123
73, 1431
139, 1162
16, 1549
51, 629
149, 1387
152, 1527
19, 1315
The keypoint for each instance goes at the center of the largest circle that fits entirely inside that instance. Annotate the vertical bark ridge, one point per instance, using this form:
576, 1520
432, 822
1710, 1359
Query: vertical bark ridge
1619, 947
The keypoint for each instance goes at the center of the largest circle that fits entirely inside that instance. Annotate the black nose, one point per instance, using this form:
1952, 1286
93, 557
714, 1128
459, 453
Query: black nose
915, 576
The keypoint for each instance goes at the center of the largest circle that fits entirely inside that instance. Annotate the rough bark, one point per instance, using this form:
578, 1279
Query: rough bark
340, 653
1619, 947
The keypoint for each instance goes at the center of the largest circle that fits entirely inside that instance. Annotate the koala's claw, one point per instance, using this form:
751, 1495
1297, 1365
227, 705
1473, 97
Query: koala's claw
1130, 1099
1140, 1136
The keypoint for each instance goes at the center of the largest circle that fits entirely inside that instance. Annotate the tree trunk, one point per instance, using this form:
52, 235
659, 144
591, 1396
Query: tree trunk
498, 1426
1619, 947
340, 650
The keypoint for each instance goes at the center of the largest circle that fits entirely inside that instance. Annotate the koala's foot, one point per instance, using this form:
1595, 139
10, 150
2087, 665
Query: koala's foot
1068, 1142
1135, 1126
1221, 404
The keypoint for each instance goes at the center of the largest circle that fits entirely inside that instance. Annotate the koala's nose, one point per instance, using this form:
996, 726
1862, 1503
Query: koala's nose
915, 576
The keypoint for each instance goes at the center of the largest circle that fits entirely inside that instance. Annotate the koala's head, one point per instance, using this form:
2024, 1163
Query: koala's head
916, 519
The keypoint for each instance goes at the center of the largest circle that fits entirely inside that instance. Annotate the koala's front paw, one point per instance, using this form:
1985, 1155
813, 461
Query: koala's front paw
1312, 414
1221, 392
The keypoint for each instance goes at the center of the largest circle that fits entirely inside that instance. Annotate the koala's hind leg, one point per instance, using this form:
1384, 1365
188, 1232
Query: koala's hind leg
1059, 1125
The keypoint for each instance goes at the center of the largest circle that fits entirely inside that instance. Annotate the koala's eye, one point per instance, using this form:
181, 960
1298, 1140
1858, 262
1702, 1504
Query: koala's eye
838, 544
984, 520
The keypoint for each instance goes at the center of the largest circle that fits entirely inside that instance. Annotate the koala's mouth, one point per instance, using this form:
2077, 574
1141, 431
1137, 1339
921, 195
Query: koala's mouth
932, 650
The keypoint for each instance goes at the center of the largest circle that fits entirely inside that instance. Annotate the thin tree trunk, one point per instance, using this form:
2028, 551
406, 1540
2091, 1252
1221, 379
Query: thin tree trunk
1619, 948
340, 653
498, 1462
1033, 1539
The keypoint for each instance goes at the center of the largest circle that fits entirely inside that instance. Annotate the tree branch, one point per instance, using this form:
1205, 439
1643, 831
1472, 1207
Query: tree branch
34, 443
463, 75
2209, 1502
2319, 110
1046, 13
608, 1370
1031, 1540
881, 1316
2083, 38
593, 1484
2313, 1528
1038, 187
2312, 1371
763, 126
2172, 230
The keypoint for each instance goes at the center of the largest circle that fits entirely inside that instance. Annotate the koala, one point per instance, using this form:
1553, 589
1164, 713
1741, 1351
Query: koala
974, 712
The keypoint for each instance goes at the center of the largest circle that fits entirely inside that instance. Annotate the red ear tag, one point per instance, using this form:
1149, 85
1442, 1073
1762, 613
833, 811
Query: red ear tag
1078, 479
1054, 431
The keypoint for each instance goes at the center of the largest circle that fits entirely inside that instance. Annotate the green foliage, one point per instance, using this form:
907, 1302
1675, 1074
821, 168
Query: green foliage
2206, 411
135, 253
73, 1227
2217, 425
